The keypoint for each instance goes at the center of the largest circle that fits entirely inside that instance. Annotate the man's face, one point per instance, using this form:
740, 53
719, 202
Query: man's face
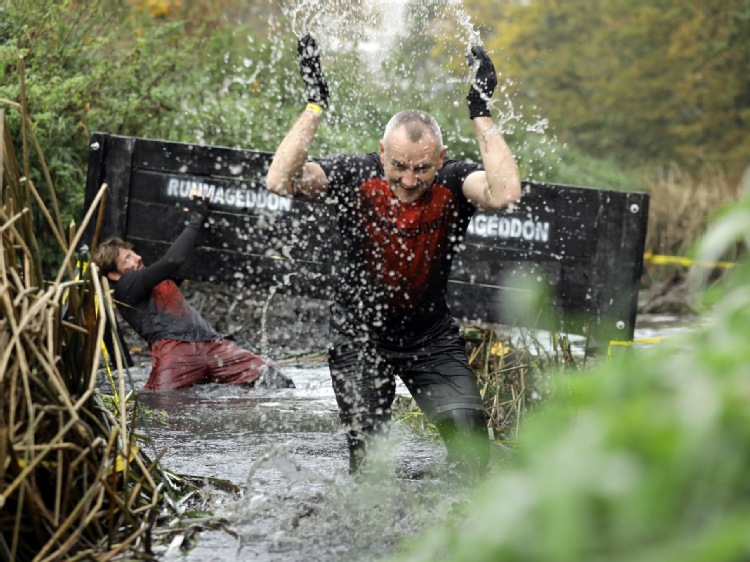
410, 167
128, 260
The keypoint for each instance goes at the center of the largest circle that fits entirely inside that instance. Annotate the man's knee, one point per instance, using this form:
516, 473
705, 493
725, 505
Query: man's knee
464, 431
463, 420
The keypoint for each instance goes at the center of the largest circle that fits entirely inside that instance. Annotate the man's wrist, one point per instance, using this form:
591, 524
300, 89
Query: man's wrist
481, 109
485, 125
313, 107
195, 220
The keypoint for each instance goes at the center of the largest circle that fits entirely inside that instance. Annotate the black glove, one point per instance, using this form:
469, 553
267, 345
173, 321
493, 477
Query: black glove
483, 83
196, 209
308, 56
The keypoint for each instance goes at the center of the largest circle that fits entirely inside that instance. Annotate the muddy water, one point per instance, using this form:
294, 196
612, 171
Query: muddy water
285, 452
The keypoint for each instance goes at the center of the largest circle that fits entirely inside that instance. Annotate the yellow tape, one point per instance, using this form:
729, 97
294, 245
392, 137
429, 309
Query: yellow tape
620, 343
105, 356
120, 462
80, 271
314, 107
655, 339
659, 259
626, 343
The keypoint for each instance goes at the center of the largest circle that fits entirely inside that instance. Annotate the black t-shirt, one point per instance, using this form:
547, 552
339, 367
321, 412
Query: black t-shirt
150, 299
395, 258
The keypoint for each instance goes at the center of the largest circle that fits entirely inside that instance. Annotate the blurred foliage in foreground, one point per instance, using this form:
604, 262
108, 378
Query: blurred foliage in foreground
643, 458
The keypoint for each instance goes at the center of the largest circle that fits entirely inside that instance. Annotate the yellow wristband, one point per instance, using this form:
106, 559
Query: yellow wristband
314, 107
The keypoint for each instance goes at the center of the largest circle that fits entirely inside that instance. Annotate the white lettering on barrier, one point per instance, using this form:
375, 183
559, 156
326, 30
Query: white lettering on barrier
230, 196
493, 226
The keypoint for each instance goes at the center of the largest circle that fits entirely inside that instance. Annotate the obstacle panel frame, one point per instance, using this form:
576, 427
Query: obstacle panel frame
576, 252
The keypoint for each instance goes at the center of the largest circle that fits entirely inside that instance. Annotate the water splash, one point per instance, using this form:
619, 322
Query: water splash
456, 8
334, 20
279, 458
416, 49
290, 508
263, 351
376, 26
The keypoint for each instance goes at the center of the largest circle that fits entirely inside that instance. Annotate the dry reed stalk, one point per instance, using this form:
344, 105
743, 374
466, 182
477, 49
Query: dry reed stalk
512, 378
681, 207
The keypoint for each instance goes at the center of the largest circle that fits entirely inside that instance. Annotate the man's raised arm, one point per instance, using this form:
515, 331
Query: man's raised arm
290, 174
499, 184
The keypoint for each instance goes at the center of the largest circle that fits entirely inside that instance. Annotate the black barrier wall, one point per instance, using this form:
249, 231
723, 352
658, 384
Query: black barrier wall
574, 253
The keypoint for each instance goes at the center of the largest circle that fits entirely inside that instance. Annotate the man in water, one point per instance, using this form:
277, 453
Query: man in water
401, 213
185, 349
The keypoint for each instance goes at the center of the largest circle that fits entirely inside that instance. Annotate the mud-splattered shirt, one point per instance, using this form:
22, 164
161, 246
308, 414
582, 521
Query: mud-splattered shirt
150, 299
394, 260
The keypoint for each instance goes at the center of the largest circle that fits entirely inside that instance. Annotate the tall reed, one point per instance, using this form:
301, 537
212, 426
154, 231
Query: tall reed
73, 482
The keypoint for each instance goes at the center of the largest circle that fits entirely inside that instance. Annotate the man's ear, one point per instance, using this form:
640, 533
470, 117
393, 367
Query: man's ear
441, 159
114, 276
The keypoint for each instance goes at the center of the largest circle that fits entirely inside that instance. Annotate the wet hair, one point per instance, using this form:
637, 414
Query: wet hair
416, 123
107, 253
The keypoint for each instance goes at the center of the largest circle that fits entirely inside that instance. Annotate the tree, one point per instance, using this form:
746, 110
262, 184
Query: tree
645, 81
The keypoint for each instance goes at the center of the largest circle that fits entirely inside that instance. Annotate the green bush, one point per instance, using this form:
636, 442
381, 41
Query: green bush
643, 458
99, 65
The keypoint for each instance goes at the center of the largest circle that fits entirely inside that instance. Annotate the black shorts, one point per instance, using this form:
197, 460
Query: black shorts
434, 369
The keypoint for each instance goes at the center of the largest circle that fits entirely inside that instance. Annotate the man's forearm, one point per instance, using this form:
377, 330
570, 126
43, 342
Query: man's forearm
285, 175
503, 177
183, 246
170, 264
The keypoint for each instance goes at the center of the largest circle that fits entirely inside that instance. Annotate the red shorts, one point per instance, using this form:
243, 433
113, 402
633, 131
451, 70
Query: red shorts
180, 364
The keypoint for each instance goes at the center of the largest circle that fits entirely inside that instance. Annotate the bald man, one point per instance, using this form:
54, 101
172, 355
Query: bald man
401, 213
